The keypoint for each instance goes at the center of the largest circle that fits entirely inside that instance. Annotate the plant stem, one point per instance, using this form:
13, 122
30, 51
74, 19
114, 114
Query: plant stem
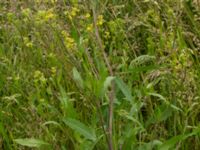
112, 92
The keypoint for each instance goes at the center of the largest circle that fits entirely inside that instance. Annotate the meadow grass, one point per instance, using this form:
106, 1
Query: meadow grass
99, 74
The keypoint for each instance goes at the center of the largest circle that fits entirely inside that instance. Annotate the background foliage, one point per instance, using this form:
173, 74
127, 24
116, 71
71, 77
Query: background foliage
55, 81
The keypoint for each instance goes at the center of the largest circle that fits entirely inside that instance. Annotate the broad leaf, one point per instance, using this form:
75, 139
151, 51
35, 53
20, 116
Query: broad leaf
125, 90
77, 78
174, 140
81, 128
106, 84
30, 142
171, 142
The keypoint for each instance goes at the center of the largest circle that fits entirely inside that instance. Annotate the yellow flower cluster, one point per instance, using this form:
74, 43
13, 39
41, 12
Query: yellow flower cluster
27, 42
45, 15
89, 27
26, 12
46, 1
87, 16
53, 1
69, 41
53, 71
74, 11
107, 34
100, 20
39, 76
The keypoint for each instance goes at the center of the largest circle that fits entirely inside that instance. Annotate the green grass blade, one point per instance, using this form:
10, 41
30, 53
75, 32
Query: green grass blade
80, 128
31, 142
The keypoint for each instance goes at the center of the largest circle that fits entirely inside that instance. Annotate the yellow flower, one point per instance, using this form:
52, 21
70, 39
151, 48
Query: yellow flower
64, 33
53, 1
85, 41
69, 39
26, 11
69, 42
39, 76
27, 42
46, 1
45, 15
87, 16
43, 79
49, 15
107, 34
100, 20
89, 28
68, 15
38, 1
53, 70
74, 11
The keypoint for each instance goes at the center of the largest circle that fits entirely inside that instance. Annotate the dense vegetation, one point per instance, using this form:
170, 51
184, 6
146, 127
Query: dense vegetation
99, 74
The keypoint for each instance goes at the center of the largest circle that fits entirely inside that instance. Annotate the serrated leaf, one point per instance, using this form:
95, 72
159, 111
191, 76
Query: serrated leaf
80, 128
30, 142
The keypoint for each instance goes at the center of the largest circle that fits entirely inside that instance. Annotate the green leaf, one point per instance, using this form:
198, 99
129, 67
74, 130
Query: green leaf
4, 135
150, 146
30, 142
80, 128
125, 90
107, 83
126, 115
52, 123
66, 104
164, 99
171, 142
88, 145
77, 78
143, 59
139, 69
157, 95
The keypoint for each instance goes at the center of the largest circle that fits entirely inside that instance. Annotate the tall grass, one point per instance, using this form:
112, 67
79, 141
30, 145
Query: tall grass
99, 75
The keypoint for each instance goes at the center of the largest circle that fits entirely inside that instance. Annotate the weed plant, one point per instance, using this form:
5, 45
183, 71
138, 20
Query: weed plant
99, 74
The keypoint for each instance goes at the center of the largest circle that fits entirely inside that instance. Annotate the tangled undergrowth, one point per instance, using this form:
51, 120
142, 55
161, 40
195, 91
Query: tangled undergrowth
100, 74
